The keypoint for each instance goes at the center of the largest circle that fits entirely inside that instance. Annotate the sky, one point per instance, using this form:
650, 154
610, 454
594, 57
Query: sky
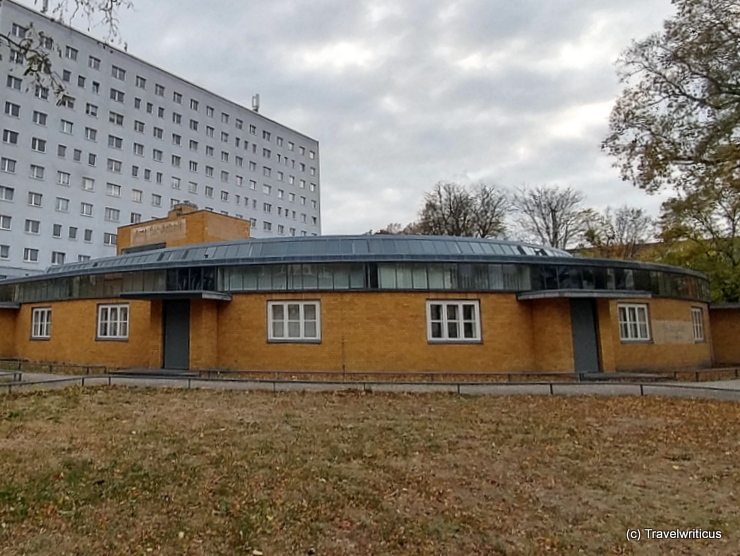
402, 94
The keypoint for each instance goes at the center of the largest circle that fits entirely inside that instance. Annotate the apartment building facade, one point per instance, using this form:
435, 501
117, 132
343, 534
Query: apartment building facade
125, 142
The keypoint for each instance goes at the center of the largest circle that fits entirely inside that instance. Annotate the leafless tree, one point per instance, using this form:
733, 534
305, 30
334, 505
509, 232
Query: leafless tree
551, 215
618, 233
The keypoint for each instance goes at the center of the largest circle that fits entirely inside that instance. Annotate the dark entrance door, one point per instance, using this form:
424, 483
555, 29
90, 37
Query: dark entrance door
176, 334
585, 342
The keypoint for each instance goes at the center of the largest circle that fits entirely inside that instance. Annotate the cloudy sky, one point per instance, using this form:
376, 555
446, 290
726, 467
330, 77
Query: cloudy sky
404, 93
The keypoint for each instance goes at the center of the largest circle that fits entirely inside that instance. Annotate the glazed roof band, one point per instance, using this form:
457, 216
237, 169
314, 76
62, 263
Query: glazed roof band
338, 249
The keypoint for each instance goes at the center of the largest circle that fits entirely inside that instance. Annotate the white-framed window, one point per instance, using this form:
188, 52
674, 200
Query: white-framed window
110, 239
634, 324
88, 184
4, 251
12, 109
93, 62
30, 255
86, 209
113, 322
62, 204
294, 321
5, 221
32, 226
453, 320
41, 323
57, 257
116, 95
6, 193
697, 323
112, 215
37, 172
118, 73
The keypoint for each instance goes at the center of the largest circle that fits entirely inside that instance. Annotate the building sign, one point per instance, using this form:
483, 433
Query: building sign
159, 232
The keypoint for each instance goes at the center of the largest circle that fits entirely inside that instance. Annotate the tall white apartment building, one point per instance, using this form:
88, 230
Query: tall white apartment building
127, 141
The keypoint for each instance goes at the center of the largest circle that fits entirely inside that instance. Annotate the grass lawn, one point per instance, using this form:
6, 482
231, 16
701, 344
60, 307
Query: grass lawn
152, 471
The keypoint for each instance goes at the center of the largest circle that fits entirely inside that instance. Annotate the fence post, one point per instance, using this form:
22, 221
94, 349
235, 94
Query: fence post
551, 392
642, 389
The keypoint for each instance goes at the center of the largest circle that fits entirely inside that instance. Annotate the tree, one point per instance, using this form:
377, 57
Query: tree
677, 122
451, 209
701, 229
36, 51
551, 215
618, 233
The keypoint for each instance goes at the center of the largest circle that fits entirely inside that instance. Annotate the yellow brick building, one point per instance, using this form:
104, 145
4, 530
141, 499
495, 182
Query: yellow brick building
355, 303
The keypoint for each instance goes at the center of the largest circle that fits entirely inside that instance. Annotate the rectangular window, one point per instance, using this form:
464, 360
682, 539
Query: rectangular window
67, 102
10, 137
32, 226
13, 110
37, 172
113, 322
294, 321
139, 126
91, 134
633, 322
66, 127
6, 193
41, 323
115, 142
57, 257
86, 209
114, 165
110, 239
115, 118
112, 215
30, 255
39, 118
56, 230
72, 232
62, 204
136, 195
113, 190
453, 321
118, 73
5, 221
116, 95
91, 110
140, 82
70, 53
4, 251
697, 323
156, 200
41, 92
14, 82
93, 62
88, 184
7, 165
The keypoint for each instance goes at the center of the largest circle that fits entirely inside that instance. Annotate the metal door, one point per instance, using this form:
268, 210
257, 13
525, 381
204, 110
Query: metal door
176, 334
585, 336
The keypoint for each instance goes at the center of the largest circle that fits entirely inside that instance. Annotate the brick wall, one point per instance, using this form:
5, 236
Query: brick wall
671, 345
73, 335
372, 331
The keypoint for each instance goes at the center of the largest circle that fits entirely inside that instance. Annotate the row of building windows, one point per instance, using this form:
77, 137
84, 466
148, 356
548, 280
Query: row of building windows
116, 95
31, 255
112, 322
300, 321
344, 276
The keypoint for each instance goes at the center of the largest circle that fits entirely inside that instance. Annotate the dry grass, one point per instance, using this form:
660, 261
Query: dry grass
119, 471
